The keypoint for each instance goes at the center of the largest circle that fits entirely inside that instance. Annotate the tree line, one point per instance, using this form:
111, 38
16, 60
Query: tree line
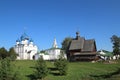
116, 44
10, 53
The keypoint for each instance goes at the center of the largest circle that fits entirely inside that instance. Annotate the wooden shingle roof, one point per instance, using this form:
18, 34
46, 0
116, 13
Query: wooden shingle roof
80, 43
89, 45
77, 44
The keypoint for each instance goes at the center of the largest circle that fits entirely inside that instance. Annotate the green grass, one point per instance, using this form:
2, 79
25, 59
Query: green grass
76, 71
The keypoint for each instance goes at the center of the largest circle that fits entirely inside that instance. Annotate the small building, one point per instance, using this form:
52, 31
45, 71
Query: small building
50, 54
105, 55
53, 52
25, 48
81, 49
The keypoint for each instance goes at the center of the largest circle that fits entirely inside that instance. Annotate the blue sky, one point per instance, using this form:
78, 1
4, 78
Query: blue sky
44, 20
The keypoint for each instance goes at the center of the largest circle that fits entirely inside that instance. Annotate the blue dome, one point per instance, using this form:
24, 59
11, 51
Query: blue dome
17, 40
31, 40
24, 37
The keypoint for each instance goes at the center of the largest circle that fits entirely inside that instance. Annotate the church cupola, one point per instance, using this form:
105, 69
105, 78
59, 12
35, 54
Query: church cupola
24, 37
17, 41
77, 35
55, 44
31, 41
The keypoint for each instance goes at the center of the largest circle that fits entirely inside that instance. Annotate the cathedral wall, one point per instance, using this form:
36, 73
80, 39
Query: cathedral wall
25, 48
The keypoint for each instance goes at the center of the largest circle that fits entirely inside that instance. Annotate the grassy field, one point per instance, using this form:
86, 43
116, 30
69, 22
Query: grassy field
76, 71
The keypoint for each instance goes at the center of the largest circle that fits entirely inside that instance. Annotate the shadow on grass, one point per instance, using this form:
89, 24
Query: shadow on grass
55, 74
32, 67
31, 77
109, 75
54, 71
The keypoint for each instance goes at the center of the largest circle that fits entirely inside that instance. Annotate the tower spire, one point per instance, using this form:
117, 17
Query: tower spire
55, 44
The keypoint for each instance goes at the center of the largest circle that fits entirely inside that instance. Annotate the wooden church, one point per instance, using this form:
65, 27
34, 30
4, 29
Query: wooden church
81, 49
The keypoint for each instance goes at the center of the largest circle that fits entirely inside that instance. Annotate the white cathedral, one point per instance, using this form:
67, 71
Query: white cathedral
25, 48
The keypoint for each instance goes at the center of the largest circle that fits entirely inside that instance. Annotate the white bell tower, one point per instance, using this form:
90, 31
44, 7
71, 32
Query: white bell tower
55, 44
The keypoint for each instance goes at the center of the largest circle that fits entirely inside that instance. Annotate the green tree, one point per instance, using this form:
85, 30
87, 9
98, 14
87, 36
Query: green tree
41, 69
12, 54
62, 65
116, 44
6, 71
3, 53
66, 44
42, 51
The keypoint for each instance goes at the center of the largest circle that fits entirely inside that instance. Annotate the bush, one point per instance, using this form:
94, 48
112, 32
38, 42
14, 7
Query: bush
41, 69
61, 65
6, 71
